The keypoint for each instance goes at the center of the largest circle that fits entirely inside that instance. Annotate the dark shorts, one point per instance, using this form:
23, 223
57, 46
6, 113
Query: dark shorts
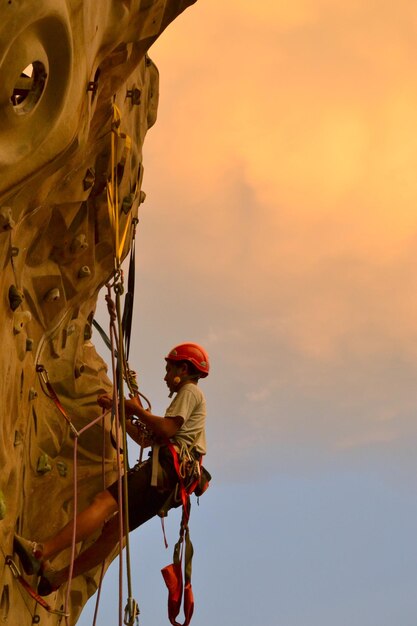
146, 501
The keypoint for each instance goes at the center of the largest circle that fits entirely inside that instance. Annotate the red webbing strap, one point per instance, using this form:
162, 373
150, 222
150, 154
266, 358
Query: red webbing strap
172, 574
43, 375
188, 590
183, 492
39, 599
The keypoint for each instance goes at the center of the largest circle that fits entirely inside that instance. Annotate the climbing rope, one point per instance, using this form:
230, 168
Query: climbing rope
100, 583
129, 374
131, 611
116, 337
50, 392
75, 504
120, 369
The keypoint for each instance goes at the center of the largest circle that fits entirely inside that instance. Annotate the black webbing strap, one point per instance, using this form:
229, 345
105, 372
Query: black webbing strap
127, 316
103, 335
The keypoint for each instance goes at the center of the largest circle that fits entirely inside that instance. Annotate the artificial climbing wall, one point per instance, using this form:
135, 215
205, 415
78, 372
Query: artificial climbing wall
64, 64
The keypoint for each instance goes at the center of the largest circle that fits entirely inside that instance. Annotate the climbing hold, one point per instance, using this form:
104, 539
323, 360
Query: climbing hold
14, 251
62, 468
52, 295
134, 94
89, 178
79, 368
142, 197
16, 297
20, 319
88, 332
127, 203
84, 272
29, 344
79, 244
70, 329
32, 393
3, 507
6, 220
44, 465
36, 619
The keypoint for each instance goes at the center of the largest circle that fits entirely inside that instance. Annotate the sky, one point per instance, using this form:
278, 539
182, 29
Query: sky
279, 231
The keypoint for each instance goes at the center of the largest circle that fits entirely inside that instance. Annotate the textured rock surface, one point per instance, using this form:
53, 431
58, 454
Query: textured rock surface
56, 247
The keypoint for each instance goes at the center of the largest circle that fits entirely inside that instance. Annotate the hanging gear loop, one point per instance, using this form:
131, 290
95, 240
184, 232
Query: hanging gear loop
131, 613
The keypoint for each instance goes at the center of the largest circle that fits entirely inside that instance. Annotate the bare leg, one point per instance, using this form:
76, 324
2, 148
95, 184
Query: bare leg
94, 555
87, 522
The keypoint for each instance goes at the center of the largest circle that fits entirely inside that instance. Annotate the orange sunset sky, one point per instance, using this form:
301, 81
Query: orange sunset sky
283, 163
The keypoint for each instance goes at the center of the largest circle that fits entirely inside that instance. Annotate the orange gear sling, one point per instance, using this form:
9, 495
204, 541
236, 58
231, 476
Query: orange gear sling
178, 589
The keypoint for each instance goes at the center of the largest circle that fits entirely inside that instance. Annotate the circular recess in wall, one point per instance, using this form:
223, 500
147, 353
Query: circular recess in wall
29, 88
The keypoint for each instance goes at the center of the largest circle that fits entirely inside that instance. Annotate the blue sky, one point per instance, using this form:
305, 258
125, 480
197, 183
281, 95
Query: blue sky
279, 231
333, 547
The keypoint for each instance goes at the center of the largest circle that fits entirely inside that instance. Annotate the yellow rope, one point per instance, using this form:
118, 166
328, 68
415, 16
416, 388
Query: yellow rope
113, 187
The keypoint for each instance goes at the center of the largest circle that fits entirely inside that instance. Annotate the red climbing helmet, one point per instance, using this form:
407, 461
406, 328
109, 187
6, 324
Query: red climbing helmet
193, 353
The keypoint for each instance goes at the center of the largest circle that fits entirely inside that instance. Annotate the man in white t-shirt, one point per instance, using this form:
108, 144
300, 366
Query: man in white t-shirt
190, 405
183, 425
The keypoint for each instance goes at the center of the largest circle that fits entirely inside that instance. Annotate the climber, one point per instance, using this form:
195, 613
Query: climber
183, 425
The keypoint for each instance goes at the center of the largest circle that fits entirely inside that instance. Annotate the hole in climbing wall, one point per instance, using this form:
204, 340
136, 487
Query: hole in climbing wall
95, 83
28, 88
4, 604
35, 420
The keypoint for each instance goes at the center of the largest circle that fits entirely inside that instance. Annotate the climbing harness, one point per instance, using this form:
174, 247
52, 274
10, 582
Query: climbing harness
29, 590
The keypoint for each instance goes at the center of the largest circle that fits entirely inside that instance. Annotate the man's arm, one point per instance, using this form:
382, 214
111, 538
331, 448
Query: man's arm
162, 427
137, 434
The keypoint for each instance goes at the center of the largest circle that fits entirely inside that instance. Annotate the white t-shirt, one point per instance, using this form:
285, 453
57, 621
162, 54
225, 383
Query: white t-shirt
190, 404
